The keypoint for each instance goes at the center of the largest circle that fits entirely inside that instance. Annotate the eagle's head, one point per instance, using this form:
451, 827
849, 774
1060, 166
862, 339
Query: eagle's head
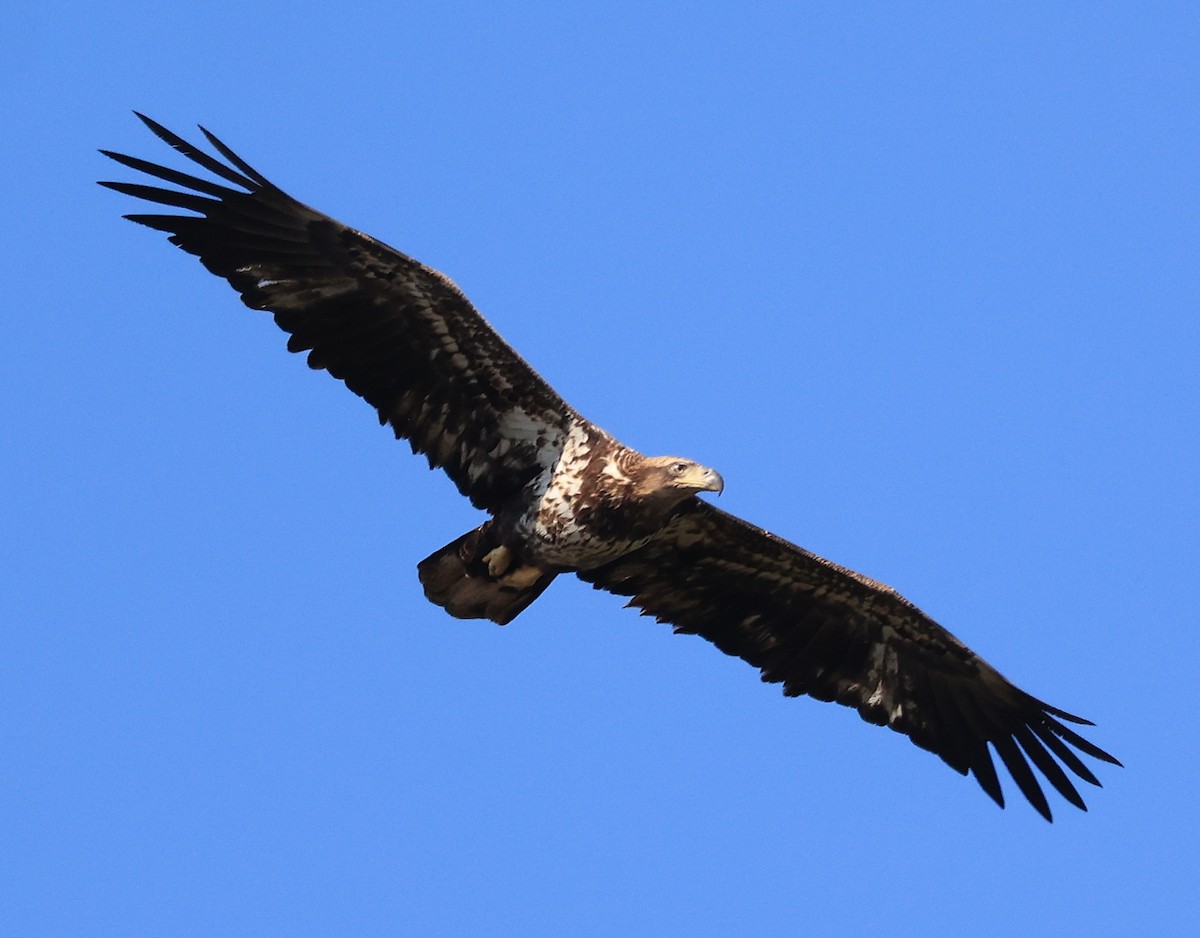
674, 479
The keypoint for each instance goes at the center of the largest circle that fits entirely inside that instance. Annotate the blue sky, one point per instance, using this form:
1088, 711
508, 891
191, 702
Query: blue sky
920, 282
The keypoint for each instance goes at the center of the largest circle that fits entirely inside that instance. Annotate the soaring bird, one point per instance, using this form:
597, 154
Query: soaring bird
565, 496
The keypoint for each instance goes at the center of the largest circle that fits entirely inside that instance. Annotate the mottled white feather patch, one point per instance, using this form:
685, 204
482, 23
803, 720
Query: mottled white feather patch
614, 471
882, 674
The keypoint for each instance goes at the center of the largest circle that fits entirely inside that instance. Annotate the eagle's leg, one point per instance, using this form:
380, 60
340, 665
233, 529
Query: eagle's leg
474, 577
523, 578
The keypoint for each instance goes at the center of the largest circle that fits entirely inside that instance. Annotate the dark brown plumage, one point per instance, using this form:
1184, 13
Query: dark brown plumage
565, 496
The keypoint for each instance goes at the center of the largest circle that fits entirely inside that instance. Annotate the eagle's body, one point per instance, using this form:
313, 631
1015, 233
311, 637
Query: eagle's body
594, 501
564, 496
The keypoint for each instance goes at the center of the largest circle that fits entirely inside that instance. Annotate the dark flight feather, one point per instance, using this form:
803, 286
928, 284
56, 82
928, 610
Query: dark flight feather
833, 634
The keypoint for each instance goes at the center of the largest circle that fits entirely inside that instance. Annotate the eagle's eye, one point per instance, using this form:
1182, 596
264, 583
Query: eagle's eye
679, 468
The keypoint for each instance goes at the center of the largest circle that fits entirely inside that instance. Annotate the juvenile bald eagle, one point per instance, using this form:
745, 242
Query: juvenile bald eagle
566, 497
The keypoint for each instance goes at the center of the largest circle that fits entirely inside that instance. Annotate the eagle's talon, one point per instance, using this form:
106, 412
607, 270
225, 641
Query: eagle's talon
498, 560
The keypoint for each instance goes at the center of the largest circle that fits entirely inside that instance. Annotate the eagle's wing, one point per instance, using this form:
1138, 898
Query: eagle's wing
831, 633
399, 334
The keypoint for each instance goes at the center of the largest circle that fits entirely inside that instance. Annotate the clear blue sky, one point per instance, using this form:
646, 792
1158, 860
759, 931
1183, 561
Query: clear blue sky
921, 283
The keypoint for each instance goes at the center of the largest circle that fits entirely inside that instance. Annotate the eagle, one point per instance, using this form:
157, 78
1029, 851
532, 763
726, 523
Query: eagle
563, 496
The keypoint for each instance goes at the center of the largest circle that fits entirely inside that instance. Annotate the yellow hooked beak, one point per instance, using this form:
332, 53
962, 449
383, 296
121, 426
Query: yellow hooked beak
703, 479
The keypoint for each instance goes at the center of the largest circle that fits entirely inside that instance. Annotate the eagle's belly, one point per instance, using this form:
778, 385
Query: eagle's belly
577, 536
576, 548
576, 526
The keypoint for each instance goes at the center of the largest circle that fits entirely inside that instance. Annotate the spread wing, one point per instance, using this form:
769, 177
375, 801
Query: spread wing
399, 334
831, 633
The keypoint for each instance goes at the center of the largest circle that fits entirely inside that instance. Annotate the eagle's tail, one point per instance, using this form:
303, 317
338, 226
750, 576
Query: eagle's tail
471, 584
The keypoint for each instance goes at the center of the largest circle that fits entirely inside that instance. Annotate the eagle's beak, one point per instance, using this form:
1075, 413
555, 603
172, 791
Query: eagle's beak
712, 482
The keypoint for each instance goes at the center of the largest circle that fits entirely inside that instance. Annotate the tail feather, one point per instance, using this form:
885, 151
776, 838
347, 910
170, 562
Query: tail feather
467, 591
